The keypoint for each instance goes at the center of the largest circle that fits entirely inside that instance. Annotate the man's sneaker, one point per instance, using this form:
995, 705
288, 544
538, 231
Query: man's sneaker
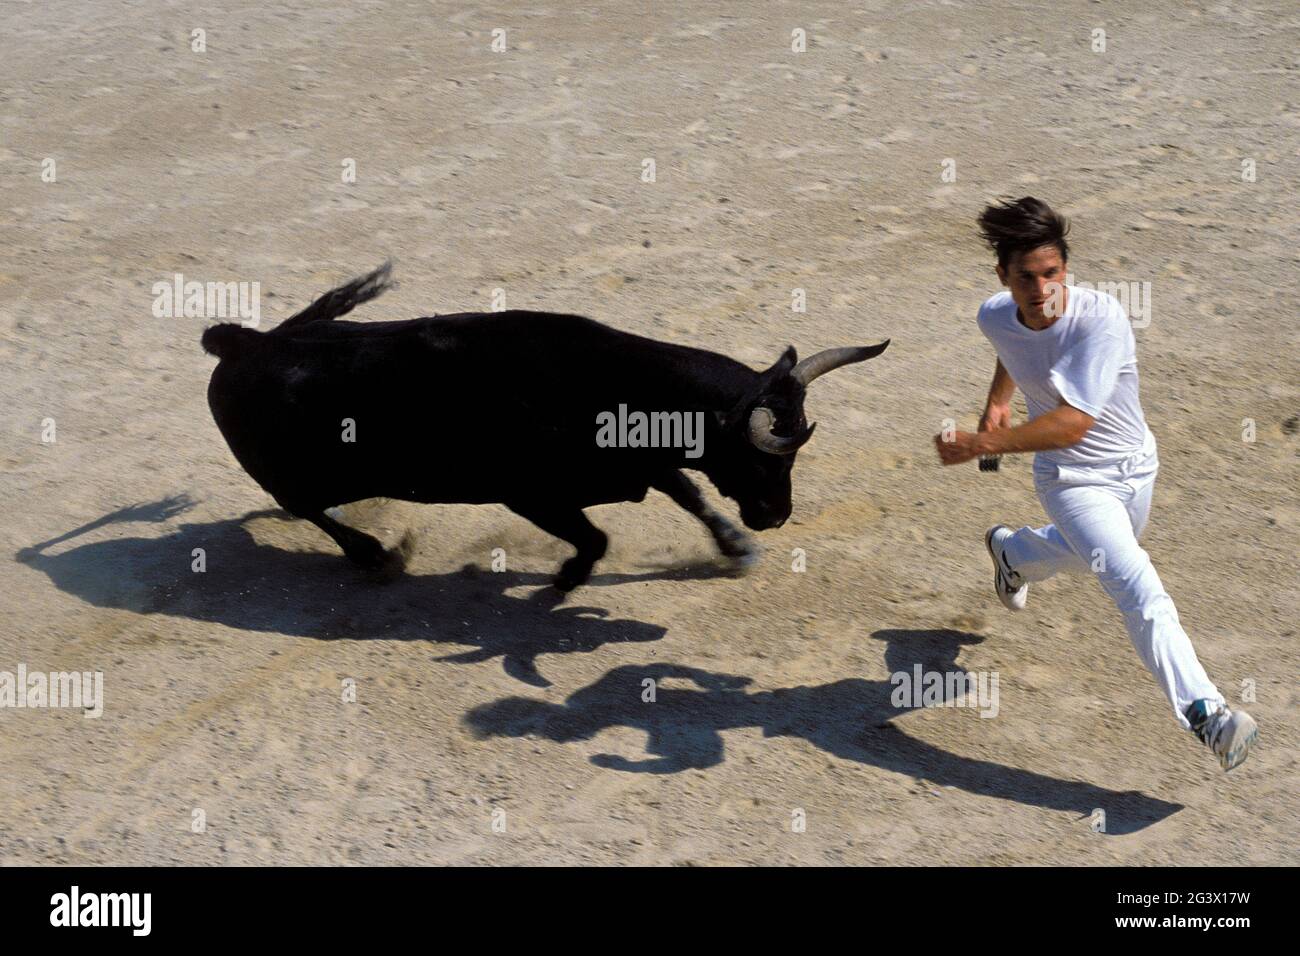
1012, 592
1229, 734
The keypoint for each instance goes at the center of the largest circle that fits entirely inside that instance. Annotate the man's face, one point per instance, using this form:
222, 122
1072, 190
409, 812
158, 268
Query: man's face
1036, 280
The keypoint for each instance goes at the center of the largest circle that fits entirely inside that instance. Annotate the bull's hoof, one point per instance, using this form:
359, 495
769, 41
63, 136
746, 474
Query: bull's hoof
573, 572
731, 541
746, 560
740, 549
393, 566
385, 562
388, 564
741, 564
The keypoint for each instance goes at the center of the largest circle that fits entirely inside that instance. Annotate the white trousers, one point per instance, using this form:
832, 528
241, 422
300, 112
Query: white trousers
1097, 514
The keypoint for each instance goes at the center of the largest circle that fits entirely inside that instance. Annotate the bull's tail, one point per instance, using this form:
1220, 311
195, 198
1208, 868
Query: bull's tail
344, 299
227, 339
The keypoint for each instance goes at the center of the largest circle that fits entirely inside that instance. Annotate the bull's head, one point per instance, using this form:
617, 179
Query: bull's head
765, 431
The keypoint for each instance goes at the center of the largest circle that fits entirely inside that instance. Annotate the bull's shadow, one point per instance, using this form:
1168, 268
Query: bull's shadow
853, 719
261, 588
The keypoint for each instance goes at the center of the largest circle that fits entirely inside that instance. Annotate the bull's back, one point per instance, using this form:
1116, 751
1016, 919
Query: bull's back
462, 408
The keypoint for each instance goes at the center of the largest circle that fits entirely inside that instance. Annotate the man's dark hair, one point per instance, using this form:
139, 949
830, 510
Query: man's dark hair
1022, 225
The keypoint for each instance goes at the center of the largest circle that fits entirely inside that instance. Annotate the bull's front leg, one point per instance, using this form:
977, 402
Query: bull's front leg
571, 525
731, 541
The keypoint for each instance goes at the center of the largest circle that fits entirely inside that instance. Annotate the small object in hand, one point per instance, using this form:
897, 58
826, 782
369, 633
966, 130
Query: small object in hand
989, 462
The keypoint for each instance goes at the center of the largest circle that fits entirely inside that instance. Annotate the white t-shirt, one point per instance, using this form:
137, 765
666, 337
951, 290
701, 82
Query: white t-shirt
1086, 358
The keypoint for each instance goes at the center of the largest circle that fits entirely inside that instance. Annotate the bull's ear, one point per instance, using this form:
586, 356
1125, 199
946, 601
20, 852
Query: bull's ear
781, 368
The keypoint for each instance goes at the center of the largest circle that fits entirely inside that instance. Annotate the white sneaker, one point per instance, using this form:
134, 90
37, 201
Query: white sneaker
1012, 592
1228, 733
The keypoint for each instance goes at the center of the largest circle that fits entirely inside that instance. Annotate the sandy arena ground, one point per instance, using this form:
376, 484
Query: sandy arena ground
478, 699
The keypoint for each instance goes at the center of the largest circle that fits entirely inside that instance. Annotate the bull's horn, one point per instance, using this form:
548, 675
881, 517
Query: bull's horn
828, 361
761, 421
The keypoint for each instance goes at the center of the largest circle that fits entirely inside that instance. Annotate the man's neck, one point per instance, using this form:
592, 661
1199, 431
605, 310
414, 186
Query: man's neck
1046, 321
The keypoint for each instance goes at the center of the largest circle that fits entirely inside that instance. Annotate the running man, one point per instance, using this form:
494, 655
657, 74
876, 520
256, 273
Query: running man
1072, 353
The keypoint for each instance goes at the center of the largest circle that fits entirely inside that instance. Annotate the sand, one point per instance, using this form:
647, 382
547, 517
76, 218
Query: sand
492, 724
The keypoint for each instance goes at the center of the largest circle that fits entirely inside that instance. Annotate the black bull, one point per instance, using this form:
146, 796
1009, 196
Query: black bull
501, 407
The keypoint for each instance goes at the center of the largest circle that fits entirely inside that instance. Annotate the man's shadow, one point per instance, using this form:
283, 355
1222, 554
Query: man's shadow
260, 588
853, 719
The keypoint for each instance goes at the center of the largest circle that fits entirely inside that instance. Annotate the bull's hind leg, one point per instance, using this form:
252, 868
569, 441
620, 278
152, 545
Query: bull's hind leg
731, 541
571, 525
358, 546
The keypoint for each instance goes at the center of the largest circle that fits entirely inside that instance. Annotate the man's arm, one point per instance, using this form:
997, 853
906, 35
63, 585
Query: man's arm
1062, 427
997, 410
